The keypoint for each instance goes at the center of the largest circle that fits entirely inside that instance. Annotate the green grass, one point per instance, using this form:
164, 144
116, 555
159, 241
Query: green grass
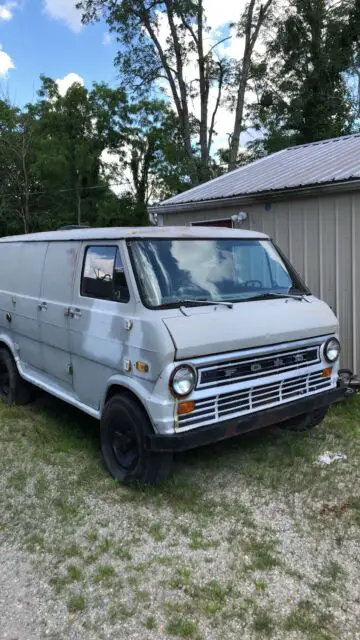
123, 554
18, 480
104, 574
180, 579
199, 542
74, 573
156, 532
120, 612
60, 582
260, 585
76, 603
57, 502
181, 627
263, 623
309, 620
331, 579
262, 553
150, 623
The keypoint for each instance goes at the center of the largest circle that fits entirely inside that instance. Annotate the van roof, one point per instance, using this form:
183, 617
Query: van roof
116, 233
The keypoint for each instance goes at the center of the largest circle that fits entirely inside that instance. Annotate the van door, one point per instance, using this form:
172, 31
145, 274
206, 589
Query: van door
55, 300
9, 261
25, 299
98, 335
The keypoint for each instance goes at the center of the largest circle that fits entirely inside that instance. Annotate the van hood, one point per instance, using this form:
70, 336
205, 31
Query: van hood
210, 330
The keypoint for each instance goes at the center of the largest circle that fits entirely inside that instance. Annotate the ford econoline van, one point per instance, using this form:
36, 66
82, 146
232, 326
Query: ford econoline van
171, 337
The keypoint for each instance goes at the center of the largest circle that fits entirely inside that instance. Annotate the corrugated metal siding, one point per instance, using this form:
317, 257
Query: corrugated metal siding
322, 162
321, 236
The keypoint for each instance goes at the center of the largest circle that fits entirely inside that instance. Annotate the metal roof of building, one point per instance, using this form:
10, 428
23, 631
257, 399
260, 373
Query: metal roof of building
324, 162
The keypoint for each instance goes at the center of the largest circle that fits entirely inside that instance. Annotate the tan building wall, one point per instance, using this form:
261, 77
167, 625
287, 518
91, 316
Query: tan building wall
321, 237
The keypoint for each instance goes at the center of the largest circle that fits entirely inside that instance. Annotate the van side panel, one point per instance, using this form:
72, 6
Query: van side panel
56, 296
9, 261
26, 294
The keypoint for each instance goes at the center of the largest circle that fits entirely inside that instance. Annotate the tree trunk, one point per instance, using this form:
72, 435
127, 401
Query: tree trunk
184, 114
204, 98
78, 206
26, 215
251, 37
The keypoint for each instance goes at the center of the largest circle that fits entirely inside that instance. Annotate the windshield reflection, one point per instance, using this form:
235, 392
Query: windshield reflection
170, 272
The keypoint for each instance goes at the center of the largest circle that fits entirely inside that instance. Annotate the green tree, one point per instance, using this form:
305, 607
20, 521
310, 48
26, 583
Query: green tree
153, 164
19, 183
72, 133
145, 59
304, 89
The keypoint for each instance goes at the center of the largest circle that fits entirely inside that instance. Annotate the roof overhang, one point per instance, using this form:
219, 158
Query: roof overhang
262, 196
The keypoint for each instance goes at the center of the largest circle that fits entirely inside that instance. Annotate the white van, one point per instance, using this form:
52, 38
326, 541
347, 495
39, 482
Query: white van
172, 338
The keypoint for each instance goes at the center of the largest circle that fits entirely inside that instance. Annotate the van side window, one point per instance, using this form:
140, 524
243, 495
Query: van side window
103, 275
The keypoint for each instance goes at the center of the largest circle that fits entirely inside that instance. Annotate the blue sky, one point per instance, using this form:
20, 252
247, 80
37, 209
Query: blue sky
45, 36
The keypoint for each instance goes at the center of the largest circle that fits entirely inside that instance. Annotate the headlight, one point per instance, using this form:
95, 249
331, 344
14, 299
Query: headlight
332, 350
183, 380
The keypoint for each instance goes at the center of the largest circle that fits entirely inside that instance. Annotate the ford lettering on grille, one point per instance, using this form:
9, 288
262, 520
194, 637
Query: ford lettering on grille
261, 366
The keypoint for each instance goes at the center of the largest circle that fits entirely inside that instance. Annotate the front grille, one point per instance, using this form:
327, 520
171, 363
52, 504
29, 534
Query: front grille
237, 403
255, 367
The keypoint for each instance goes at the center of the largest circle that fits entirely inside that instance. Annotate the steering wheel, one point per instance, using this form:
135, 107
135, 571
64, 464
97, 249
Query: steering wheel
254, 284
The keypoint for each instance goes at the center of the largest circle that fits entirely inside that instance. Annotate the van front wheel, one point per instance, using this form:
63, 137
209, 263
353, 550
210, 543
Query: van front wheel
305, 422
123, 431
13, 389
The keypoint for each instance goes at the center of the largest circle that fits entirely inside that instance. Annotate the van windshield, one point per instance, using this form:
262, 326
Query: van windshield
171, 273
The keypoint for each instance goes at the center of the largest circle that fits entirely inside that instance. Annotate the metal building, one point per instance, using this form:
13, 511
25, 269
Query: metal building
307, 199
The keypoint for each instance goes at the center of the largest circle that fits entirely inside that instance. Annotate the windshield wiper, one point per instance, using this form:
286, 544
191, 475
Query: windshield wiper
223, 303
198, 302
273, 294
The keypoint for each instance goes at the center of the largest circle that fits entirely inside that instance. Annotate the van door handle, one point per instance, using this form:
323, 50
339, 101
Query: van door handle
42, 306
72, 313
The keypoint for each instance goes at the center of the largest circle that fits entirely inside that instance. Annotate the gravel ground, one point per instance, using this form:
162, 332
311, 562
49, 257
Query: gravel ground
249, 539
27, 608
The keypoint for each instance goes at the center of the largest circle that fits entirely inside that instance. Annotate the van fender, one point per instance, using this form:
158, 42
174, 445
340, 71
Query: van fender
159, 410
135, 387
7, 342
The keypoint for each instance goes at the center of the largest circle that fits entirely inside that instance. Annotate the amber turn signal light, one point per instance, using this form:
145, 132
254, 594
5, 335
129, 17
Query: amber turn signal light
185, 407
143, 367
327, 373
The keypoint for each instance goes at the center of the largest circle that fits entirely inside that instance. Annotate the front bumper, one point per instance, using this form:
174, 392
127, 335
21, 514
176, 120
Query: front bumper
237, 426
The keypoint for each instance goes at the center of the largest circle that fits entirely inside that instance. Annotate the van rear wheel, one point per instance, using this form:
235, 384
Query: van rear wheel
13, 389
123, 431
305, 422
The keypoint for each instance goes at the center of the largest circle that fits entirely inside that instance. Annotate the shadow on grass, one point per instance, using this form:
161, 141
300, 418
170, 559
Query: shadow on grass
272, 457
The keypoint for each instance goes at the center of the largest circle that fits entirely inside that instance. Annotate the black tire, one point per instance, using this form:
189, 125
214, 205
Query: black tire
305, 422
123, 431
13, 389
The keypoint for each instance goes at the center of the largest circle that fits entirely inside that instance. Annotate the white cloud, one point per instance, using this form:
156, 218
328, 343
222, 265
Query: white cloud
221, 13
65, 83
6, 63
6, 11
66, 11
107, 39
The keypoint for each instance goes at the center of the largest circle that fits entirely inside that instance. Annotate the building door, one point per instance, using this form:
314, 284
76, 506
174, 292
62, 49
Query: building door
227, 223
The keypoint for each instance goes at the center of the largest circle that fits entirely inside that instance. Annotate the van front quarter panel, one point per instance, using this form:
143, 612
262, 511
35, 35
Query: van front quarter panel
109, 338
